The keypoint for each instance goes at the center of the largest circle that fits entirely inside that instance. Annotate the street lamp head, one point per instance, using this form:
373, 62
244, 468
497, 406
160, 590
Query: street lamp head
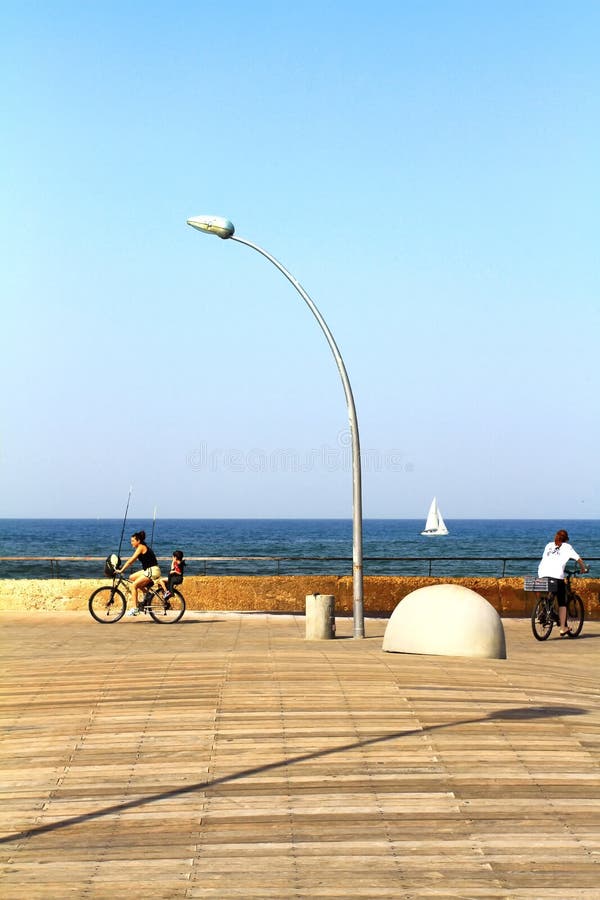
223, 228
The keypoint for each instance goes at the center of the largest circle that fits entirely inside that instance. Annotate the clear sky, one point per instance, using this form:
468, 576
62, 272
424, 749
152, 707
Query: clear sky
428, 171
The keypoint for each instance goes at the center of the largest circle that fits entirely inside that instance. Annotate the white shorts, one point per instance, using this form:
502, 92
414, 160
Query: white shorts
153, 572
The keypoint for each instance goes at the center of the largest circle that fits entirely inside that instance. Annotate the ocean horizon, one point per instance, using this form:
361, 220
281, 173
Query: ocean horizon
289, 519
390, 546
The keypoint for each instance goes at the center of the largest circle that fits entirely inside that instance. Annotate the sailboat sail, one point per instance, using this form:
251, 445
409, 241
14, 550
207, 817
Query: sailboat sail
441, 529
435, 523
432, 517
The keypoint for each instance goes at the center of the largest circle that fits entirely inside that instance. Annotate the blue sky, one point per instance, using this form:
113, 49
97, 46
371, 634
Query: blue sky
427, 171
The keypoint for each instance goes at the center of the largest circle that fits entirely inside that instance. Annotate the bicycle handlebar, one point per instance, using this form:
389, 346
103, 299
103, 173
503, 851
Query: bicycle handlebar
575, 573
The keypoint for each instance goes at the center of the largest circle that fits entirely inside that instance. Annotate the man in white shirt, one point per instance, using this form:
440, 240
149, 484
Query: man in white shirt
555, 557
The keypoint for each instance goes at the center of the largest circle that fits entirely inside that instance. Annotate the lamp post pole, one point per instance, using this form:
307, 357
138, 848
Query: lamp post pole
224, 229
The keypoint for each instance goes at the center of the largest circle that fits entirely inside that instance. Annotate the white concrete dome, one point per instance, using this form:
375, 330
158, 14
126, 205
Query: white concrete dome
445, 620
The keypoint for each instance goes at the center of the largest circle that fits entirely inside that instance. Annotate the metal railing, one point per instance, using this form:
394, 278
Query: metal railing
452, 566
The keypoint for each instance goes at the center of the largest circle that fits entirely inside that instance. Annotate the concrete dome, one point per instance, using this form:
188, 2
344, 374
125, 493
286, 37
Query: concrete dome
445, 620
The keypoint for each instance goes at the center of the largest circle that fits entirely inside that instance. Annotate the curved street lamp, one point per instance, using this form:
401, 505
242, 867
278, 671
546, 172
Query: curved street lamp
224, 229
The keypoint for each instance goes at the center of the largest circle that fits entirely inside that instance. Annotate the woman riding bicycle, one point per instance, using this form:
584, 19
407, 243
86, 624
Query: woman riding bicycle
555, 557
150, 568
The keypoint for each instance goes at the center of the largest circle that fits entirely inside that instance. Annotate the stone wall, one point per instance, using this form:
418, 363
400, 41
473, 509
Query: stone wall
286, 593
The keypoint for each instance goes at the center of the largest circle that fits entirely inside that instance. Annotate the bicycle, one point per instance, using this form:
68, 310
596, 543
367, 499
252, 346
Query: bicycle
545, 612
108, 604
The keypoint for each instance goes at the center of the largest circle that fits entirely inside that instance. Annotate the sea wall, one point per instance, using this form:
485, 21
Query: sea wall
287, 593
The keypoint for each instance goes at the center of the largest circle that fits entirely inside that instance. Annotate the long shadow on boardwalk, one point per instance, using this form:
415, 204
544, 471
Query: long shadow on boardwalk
532, 712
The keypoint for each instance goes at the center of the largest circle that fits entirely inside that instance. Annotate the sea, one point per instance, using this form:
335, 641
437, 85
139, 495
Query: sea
492, 547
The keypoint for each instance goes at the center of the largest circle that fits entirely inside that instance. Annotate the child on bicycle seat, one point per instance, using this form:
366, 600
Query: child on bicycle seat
175, 575
555, 557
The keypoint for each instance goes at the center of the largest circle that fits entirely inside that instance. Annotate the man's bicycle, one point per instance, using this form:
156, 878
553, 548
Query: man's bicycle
545, 612
108, 604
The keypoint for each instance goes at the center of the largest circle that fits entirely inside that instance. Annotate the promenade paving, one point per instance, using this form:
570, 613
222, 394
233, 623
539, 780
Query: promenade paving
226, 757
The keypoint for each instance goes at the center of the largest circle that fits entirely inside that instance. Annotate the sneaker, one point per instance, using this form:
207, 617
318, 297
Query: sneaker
132, 612
167, 594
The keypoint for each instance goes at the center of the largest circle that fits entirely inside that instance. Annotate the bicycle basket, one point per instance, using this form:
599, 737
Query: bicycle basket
112, 562
531, 583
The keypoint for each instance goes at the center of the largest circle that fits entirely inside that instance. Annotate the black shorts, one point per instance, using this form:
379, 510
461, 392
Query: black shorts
174, 579
557, 586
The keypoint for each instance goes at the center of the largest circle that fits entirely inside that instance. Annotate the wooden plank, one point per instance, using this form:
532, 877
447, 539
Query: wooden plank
227, 757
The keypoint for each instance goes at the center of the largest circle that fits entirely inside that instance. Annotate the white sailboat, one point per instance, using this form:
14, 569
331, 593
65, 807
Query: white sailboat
435, 523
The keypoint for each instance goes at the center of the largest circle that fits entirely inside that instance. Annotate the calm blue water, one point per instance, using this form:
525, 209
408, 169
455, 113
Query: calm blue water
295, 538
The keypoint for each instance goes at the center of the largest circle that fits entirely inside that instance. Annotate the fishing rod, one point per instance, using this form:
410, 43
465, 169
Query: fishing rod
124, 520
153, 524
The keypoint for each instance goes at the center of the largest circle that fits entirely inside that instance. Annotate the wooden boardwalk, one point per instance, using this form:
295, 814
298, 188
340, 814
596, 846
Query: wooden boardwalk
226, 757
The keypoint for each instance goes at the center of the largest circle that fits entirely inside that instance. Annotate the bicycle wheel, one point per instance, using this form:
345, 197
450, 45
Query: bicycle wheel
541, 620
575, 615
167, 612
107, 605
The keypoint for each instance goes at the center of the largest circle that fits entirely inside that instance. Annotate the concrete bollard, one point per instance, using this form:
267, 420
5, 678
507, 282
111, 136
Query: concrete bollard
320, 617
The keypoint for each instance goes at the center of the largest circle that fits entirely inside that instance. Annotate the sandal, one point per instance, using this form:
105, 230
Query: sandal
565, 632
